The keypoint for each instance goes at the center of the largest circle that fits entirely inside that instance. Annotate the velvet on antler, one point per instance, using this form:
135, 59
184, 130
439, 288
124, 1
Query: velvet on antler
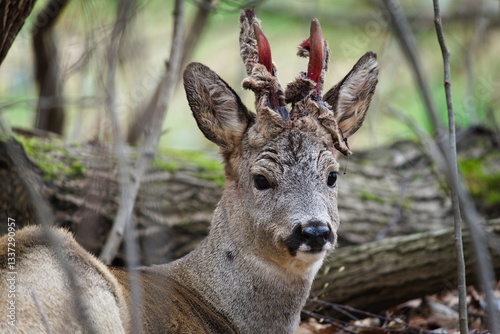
311, 83
304, 93
256, 54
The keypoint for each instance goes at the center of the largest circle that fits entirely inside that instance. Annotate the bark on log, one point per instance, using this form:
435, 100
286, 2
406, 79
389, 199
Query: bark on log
387, 191
13, 13
376, 276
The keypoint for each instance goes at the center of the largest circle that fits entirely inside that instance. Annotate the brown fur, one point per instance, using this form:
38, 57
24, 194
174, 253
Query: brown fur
180, 310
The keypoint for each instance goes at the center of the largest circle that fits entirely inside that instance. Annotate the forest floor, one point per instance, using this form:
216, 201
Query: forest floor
432, 314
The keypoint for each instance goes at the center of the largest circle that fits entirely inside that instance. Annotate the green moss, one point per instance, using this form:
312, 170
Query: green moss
43, 152
198, 158
208, 168
169, 166
367, 196
481, 184
77, 168
55, 161
217, 177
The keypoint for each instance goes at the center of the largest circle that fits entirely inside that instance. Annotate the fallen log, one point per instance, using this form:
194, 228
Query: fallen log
378, 275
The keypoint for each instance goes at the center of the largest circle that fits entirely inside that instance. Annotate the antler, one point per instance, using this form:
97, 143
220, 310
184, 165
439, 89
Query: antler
256, 54
318, 56
305, 91
316, 48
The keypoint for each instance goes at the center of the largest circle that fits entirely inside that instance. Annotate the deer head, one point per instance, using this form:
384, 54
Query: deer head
280, 201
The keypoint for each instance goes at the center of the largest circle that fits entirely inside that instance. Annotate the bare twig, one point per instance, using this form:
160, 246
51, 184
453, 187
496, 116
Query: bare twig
124, 223
321, 318
351, 311
407, 41
144, 119
127, 188
442, 158
124, 219
159, 102
452, 157
42, 313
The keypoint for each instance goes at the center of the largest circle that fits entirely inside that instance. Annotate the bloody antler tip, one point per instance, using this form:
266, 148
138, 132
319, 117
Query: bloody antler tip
316, 34
317, 51
264, 48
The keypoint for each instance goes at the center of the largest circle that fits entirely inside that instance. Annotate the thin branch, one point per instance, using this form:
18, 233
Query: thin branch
127, 187
442, 157
409, 46
42, 313
479, 239
144, 119
321, 318
452, 157
351, 311
159, 103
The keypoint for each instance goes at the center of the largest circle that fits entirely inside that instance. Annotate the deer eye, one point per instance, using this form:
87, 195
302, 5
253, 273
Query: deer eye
332, 179
260, 182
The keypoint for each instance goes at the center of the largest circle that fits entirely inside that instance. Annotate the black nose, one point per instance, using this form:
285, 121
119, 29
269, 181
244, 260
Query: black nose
313, 232
316, 235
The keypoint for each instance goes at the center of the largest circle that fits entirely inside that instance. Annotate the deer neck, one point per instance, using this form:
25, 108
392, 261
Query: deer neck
258, 295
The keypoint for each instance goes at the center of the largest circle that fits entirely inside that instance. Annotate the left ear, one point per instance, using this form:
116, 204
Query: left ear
351, 97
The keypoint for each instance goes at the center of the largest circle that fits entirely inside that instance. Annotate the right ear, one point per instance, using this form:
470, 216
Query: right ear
351, 97
218, 110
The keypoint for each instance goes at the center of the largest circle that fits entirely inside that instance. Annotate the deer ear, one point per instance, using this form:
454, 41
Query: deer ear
218, 110
351, 97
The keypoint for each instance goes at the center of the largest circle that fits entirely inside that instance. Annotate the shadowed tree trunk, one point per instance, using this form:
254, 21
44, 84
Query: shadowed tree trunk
13, 14
50, 111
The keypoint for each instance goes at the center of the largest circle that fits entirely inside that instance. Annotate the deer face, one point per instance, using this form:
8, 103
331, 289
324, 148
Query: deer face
292, 197
280, 163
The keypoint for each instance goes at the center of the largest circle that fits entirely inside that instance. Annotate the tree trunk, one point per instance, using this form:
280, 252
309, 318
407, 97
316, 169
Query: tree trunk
375, 276
13, 13
50, 110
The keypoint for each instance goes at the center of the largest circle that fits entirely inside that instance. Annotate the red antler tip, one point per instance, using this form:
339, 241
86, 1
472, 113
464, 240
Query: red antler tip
317, 52
264, 49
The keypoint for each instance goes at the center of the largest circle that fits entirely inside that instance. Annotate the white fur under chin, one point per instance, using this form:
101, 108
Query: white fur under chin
306, 262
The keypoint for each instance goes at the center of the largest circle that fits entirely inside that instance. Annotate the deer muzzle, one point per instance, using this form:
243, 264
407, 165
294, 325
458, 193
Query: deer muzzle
312, 237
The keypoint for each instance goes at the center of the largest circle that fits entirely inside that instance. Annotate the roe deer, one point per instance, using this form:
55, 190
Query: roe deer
270, 232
